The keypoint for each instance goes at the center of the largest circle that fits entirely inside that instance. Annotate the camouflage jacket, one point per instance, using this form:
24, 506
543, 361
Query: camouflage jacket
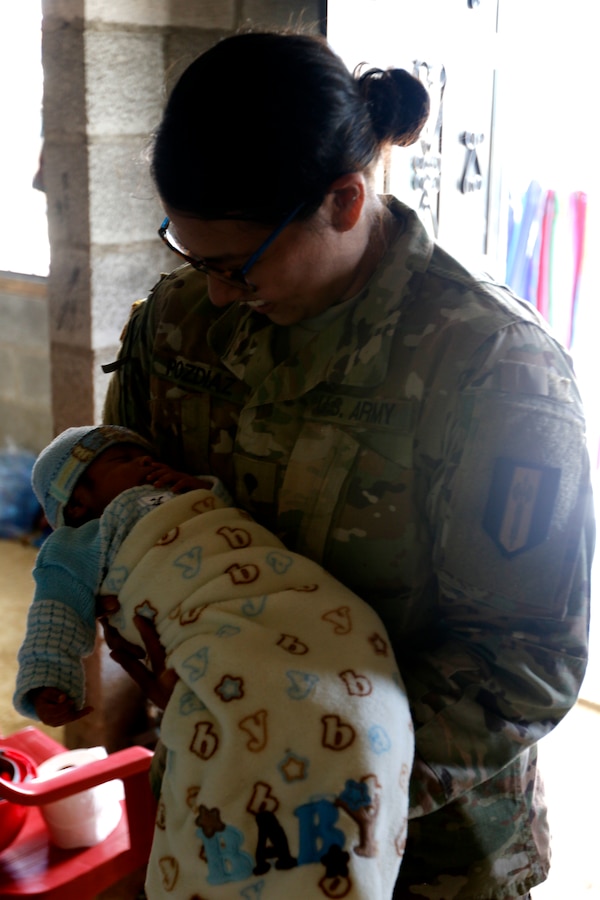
428, 448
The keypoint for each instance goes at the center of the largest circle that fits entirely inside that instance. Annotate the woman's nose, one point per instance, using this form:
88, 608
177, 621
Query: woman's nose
222, 294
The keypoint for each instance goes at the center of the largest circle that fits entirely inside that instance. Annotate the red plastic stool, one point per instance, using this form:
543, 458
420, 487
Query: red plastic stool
30, 866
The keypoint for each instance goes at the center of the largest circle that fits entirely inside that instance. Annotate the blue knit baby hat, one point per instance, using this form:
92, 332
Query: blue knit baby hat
60, 465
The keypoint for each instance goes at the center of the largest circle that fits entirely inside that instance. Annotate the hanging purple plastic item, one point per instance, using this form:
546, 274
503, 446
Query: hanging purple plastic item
523, 243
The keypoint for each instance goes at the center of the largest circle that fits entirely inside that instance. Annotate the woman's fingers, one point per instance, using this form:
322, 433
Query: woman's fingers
162, 680
154, 649
117, 643
154, 680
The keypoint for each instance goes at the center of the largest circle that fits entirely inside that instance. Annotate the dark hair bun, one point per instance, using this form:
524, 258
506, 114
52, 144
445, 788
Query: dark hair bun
398, 104
262, 121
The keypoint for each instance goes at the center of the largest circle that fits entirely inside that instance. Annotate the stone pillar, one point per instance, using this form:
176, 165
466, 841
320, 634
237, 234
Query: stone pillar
103, 95
108, 65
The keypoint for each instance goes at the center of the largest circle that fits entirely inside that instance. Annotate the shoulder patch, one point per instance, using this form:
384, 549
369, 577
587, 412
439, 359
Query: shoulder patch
520, 504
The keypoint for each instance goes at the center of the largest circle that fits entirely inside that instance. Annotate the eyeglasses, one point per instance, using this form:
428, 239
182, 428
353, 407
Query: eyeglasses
233, 277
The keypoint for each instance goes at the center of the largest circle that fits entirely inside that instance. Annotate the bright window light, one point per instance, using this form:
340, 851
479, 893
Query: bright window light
24, 245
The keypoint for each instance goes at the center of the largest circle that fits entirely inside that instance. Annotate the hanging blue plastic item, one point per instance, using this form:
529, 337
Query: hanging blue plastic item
19, 508
524, 241
515, 215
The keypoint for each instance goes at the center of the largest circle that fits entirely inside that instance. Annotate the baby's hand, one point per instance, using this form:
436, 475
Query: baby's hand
55, 708
163, 476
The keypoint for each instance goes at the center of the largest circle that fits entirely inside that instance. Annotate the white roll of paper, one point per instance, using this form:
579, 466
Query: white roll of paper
83, 819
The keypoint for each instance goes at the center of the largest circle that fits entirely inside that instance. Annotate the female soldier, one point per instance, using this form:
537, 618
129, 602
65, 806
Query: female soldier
413, 428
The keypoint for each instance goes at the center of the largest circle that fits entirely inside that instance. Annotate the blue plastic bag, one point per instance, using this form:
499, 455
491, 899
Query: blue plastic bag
19, 508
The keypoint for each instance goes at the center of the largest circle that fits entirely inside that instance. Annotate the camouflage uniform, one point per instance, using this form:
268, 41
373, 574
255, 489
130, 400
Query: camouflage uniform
428, 448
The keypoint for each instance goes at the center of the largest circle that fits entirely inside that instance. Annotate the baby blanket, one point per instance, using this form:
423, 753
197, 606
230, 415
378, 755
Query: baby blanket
289, 739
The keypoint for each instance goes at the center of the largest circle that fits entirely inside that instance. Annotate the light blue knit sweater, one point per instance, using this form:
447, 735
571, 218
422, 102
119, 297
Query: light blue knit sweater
69, 569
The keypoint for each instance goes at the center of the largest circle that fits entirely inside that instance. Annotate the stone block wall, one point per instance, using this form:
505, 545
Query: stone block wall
25, 400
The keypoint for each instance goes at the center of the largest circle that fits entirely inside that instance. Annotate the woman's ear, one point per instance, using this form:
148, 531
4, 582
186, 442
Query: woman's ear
347, 196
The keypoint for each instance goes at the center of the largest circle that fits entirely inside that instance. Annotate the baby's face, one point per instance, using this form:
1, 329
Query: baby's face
116, 469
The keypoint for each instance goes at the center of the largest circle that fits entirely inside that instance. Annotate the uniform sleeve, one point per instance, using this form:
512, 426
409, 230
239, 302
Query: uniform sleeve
510, 508
128, 396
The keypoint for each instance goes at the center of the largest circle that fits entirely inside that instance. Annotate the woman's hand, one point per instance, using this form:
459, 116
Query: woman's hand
55, 708
154, 679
